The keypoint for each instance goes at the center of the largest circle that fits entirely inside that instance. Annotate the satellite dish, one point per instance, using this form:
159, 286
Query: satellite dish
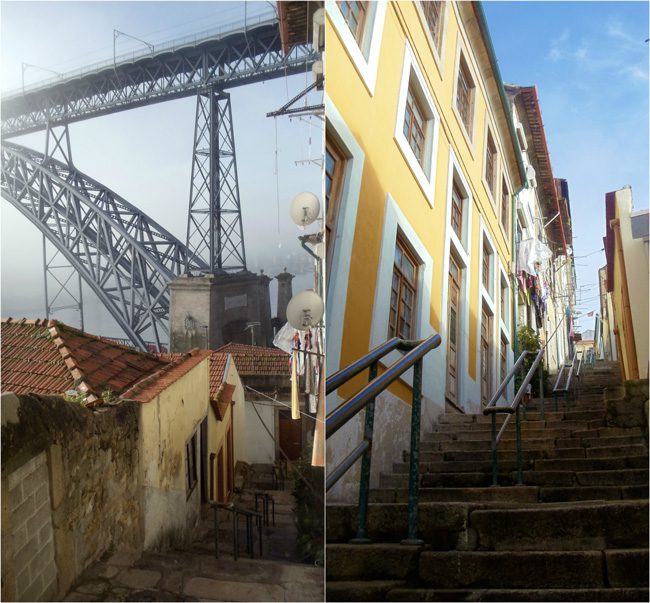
305, 208
530, 172
305, 310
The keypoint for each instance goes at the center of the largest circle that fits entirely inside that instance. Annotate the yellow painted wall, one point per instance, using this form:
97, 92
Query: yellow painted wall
372, 120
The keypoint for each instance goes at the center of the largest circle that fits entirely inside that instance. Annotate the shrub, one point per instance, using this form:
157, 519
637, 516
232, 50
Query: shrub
308, 491
528, 340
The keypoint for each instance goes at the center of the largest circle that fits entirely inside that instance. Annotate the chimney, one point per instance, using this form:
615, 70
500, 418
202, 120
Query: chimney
285, 293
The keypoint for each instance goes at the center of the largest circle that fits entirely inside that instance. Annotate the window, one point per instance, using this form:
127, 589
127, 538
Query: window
334, 166
491, 165
403, 292
503, 358
190, 455
433, 14
415, 126
485, 274
457, 202
505, 205
453, 330
355, 13
465, 95
505, 301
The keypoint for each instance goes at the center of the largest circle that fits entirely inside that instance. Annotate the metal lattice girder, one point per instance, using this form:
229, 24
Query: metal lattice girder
122, 254
214, 224
229, 60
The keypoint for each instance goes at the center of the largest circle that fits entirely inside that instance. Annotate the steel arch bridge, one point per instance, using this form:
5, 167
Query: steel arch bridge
122, 254
125, 257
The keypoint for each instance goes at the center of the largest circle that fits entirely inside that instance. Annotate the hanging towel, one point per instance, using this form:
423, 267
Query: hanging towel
295, 399
318, 452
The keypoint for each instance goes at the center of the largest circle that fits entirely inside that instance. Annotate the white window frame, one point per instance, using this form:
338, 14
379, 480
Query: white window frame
462, 256
503, 277
469, 137
489, 130
337, 285
488, 294
425, 174
366, 59
438, 53
395, 219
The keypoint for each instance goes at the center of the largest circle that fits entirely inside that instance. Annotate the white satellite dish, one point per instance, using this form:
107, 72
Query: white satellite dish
305, 310
305, 208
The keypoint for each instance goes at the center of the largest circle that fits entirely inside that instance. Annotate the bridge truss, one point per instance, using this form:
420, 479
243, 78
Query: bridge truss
121, 253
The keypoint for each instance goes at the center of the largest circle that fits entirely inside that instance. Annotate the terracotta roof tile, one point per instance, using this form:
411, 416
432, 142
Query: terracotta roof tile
218, 362
256, 360
147, 389
48, 357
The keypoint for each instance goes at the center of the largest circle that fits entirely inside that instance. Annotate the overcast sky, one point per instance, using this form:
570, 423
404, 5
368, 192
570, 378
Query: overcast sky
589, 61
145, 154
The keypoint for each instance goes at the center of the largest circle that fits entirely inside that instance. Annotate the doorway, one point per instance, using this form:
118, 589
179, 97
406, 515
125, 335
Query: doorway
290, 435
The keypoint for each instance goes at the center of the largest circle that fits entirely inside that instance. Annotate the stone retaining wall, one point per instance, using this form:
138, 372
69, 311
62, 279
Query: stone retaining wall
74, 491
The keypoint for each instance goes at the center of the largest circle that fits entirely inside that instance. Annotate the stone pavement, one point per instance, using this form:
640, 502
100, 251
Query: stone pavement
187, 576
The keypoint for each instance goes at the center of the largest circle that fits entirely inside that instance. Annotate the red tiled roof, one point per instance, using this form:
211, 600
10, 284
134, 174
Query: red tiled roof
49, 357
218, 362
257, 360
149, 387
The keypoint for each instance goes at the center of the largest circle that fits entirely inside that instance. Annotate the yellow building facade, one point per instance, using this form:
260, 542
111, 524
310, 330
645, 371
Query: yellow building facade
422, 164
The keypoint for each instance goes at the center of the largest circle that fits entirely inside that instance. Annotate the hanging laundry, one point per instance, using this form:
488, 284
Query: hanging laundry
295, 398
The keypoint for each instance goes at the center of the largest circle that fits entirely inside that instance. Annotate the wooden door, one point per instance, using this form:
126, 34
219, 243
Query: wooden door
290, 435
230, 462
486, 377
204, 460
221, 494
453, 328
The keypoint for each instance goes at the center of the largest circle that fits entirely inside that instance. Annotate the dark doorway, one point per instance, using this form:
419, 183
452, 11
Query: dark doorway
290, 435
204, 460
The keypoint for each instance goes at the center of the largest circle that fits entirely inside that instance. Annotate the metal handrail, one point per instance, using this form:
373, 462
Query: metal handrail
508, 378
365, 398
236, 511
514, 407
567, 365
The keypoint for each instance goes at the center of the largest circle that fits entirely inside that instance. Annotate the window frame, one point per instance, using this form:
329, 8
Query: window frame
491, 187
365, 56
468, 129
437, 47
505, 197
413, 82
333, 200
403, 282
360, 30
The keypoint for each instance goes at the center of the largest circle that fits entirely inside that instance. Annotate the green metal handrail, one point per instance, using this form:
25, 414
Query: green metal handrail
365, 398
514, 407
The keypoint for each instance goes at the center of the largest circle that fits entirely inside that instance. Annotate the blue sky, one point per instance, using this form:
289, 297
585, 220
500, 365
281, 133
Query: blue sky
589, 61
145, 154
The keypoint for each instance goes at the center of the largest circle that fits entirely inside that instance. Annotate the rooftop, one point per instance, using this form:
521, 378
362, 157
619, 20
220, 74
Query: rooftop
49, 357
252, 360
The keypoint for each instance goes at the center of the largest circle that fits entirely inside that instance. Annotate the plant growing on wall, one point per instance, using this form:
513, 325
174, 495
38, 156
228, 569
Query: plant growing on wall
309, 514
527, 340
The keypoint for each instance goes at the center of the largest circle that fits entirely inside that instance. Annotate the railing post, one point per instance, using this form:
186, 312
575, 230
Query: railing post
541, 389
494, 449
414, 457
520, 459
364, 481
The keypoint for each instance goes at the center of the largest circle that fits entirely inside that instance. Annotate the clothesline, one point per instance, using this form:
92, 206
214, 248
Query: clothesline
281, 403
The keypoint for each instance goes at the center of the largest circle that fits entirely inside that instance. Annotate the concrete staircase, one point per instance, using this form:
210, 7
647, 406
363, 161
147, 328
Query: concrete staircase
577, 530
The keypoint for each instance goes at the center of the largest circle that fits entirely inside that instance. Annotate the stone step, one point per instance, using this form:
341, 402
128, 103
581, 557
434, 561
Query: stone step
482, 445
599, 441
594, 464
609, 451
509, 434
474, 570
612, 525
515, 494
400, 593
528, 569
371, 590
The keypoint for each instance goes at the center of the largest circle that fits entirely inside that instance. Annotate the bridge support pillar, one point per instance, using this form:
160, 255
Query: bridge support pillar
62, 282
214, 225
211, 310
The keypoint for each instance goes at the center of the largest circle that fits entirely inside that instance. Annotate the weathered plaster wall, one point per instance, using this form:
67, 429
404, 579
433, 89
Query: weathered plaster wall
167, 424
239, 414
94, 492
261, 446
